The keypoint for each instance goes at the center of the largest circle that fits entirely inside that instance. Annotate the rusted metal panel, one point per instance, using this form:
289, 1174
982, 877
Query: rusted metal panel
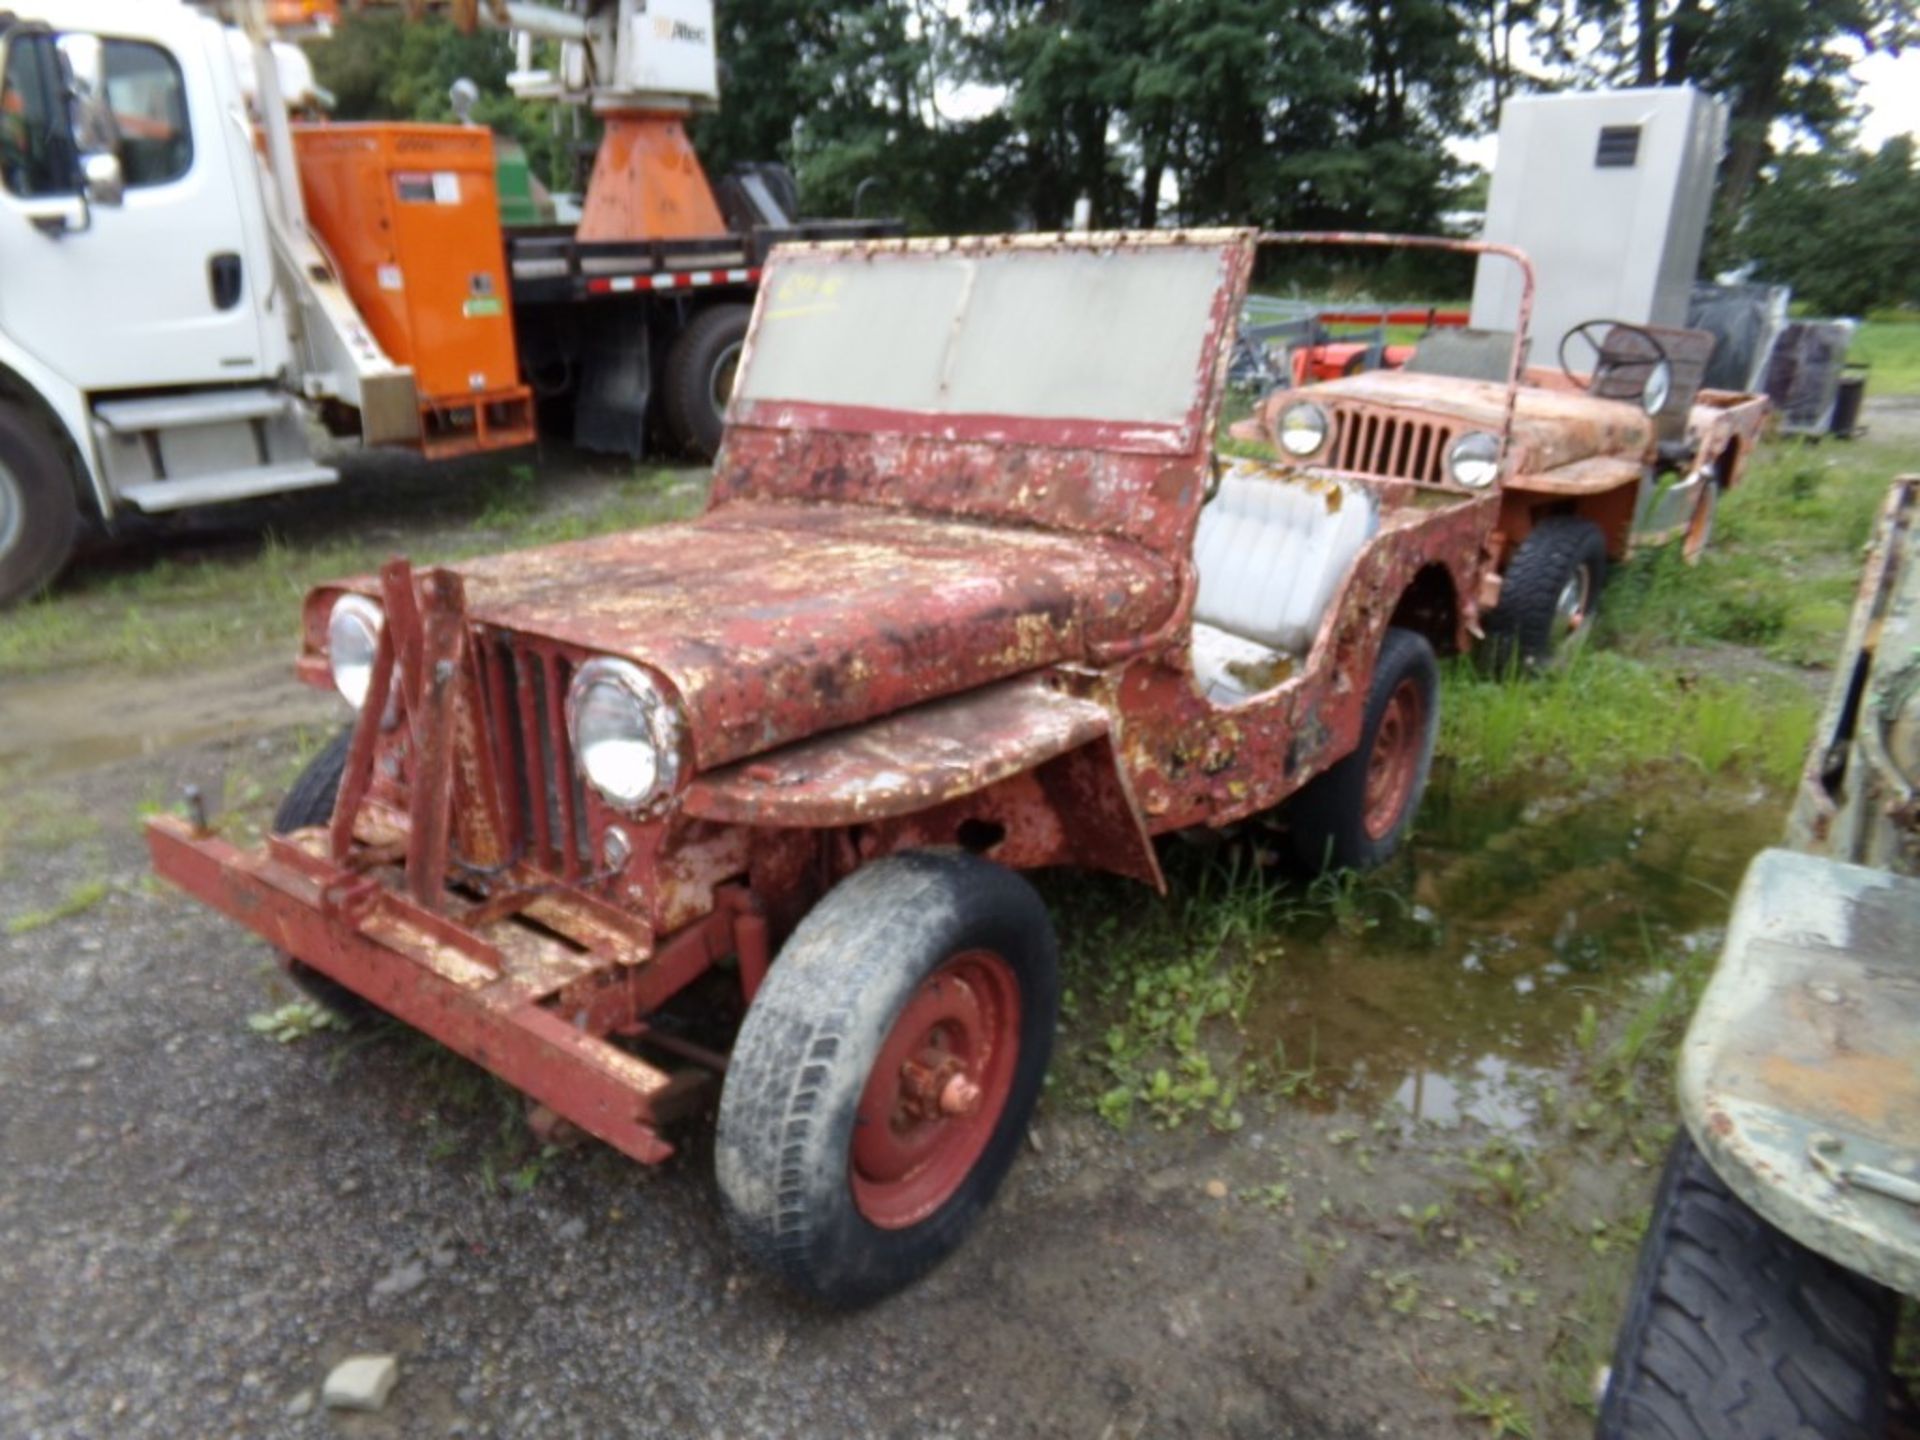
597, 1086
1859, 795
1800, 1075
910, 761
775, 622
1193, 763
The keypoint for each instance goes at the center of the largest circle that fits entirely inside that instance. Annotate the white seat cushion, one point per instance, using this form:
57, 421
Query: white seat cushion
1271, 550
1230, 670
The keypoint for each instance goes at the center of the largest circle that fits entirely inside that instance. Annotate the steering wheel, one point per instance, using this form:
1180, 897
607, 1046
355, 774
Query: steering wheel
1653, 370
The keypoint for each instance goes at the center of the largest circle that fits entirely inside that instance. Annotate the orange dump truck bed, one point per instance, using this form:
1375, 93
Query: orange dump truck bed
411, 217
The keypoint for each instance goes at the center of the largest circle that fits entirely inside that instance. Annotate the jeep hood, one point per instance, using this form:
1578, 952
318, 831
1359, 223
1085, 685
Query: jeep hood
778, 621
1551, 428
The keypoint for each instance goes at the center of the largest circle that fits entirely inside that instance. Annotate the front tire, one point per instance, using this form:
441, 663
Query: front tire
1355, 816
39, 519
884, 1077
1549, 596
1733, 1331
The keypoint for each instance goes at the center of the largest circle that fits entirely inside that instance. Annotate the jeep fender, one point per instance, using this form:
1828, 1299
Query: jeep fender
1024, 772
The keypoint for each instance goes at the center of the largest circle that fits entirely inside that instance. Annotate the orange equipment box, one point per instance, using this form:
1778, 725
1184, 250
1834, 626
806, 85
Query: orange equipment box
410, 215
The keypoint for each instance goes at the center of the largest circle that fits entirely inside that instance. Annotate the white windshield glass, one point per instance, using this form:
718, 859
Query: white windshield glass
1070, 334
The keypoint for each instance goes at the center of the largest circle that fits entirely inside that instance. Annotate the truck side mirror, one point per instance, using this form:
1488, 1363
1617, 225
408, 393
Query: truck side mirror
101, 177
83, 62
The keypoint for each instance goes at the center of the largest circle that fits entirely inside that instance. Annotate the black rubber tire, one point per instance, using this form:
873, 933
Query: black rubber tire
1325, 821
693, 419
308, 802
1735, 1332
1519, 630
39, 516
814, 1030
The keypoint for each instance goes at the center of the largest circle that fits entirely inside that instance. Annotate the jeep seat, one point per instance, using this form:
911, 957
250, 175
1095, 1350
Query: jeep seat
1271, 550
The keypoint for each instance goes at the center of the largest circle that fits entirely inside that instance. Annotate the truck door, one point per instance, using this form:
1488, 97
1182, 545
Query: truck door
163, 288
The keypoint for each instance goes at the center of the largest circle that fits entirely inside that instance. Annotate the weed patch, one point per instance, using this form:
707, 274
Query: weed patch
1606, 714
81, 898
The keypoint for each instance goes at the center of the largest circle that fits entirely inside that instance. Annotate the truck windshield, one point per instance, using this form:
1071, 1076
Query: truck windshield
1076, 333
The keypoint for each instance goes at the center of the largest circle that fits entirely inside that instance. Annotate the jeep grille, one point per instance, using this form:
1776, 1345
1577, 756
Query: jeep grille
526, 690
1394, 448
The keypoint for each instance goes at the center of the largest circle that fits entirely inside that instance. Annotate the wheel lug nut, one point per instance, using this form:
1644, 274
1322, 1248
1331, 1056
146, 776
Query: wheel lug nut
960, 1096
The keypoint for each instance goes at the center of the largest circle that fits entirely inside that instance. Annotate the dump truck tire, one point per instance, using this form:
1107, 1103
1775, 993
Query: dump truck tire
39, 520
700, 369
883, 1080
308, 802
1735, 1332
1549, 596
1356, 815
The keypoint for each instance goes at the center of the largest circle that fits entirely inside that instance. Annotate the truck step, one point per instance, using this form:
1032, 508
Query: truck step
157, 495
206, 407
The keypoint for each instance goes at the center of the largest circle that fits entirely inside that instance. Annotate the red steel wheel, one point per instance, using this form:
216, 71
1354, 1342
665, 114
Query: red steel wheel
937, 1091
1399, 748
882, 1082
1355, 815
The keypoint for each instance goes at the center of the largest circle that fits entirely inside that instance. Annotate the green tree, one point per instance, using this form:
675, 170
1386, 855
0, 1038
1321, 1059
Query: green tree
1841, 226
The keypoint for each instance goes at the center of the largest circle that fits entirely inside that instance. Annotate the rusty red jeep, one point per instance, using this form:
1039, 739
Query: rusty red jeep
973, 596
1615, 446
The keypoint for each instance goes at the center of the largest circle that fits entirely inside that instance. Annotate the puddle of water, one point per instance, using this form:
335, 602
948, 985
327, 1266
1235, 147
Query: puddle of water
1462, 999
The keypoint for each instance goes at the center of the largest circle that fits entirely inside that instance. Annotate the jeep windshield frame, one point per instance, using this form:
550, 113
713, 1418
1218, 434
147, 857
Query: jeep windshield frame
1102, 342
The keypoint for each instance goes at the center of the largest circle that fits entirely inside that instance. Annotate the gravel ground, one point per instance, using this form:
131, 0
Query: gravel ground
197, 1222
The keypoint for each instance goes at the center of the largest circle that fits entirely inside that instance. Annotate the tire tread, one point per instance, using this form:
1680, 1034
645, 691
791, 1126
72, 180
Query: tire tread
1735, 1331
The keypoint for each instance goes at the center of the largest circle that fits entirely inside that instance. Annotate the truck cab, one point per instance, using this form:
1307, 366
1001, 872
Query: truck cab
150, 350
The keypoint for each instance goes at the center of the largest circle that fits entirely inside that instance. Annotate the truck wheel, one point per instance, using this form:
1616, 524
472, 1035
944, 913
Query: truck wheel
1735, 1332
39, 520
700, 370
882, 1082
1549, 596
309, 802
1355, 815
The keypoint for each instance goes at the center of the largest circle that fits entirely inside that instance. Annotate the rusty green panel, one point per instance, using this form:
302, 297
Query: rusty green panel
1800, 1074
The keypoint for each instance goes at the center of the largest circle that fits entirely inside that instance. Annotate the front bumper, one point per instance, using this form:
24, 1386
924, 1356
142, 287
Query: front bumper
508, 995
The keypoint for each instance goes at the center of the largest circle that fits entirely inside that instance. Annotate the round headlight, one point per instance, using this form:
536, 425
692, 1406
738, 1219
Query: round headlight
627, 736
1474, 459
1303, 429
353, 635
1659, 387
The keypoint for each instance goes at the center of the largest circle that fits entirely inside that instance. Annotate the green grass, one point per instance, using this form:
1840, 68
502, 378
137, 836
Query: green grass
1890, 345
175, 613
81, 898
1606, 715
1782, 572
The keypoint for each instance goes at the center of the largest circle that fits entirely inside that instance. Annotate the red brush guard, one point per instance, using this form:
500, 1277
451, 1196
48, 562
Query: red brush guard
519, 971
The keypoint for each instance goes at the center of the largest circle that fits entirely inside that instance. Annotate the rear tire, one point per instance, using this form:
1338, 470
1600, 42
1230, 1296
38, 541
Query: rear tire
881, 1085
1549, 596
39, 518
309, 802
1355, 816
700, 371
1735, 1332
